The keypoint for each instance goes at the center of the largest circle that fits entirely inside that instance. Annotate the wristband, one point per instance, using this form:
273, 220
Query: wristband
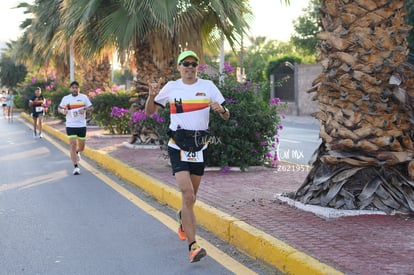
225, 111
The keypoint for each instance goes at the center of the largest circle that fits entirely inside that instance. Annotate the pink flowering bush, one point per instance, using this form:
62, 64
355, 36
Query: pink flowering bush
120, 120
111, 110
248, 138
145, 125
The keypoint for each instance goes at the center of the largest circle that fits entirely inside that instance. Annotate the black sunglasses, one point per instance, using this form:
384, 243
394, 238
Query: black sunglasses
187, 64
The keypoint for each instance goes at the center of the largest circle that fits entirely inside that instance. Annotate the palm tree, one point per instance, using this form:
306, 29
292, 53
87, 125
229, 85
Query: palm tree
37, 47
152, 33
45, 46
365, 96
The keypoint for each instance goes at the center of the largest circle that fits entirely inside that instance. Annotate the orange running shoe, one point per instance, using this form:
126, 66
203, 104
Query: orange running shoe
180, 232
196, 253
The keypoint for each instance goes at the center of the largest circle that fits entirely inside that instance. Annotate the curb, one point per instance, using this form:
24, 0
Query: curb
255, 243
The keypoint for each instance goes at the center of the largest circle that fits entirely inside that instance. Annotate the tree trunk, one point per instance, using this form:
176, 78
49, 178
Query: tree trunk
365, 94
156, 57
96, 74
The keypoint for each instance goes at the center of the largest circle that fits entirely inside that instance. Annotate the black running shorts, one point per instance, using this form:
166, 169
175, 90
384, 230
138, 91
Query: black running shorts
195, 168
79, 132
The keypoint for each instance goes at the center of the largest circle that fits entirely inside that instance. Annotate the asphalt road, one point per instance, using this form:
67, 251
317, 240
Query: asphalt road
52, 222
298, 141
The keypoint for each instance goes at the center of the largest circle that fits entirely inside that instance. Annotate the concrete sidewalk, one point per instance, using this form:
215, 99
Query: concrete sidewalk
241, 209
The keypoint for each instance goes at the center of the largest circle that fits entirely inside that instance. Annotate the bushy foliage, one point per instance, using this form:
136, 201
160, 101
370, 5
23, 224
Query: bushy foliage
161, 129
121, 120
121, 77
102, 115
146, 123
246, 138
52, 91
10, 73
124, 120
306, 27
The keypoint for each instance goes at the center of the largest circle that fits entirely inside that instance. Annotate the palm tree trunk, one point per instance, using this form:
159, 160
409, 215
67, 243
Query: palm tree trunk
156, 57
96, 74
365, 94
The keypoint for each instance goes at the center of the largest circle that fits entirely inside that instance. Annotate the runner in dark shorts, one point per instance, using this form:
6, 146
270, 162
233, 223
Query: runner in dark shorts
75, 106
36, 104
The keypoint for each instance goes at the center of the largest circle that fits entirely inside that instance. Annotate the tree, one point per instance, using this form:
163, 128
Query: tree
10, 73
122, 77
153, 33
45, 46
258, 55
306, 28
365, 94
146, 35
38, 48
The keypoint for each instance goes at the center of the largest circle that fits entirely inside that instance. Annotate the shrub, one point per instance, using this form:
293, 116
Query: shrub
245, 139
147, 127
121, 120
50, 90
103, 103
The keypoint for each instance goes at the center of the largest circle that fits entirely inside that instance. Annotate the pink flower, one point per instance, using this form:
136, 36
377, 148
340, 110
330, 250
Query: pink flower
225, 170
228, 68
202, 67
118, 112
274, 101
91, 94
230, 100
52, 75
115, 88
138, 116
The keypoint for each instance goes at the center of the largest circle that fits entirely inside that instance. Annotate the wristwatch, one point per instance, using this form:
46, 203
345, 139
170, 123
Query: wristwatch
225, 110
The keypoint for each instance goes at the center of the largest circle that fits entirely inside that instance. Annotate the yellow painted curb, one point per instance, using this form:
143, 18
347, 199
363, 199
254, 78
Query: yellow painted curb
275, 252
249, 239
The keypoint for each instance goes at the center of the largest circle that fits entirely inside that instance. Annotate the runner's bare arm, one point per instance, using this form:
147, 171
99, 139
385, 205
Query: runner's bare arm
154, 89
